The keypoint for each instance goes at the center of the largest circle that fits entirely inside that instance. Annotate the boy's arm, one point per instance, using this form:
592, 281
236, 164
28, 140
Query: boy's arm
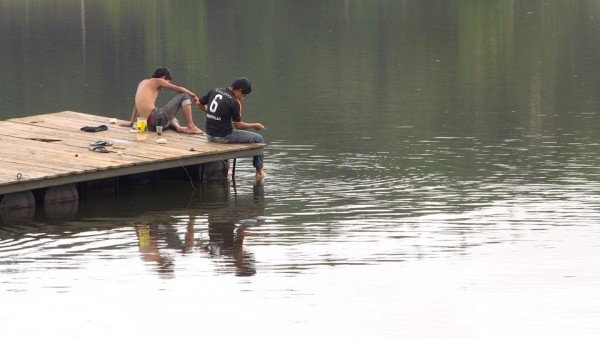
201, 106
133, 117
245, 125
177, 89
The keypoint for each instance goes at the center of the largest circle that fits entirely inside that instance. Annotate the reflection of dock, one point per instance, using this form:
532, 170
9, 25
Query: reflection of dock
50, 150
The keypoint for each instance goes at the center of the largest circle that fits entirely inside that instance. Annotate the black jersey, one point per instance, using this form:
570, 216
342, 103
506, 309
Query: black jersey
223, 108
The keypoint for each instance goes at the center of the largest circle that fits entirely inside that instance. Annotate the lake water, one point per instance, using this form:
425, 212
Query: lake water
433, 171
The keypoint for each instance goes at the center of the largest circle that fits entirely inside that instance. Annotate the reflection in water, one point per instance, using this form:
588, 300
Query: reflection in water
210, 224
227, 225
148, 236
428, 192
227, 218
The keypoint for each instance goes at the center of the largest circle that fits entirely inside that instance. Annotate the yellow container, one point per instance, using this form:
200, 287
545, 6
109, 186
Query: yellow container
142, 126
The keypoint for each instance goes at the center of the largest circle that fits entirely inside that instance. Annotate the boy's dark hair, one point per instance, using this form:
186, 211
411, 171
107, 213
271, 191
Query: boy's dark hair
243, 84
163, 71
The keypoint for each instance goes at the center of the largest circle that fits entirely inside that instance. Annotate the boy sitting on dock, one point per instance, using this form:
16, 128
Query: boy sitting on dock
145, 100
223, 108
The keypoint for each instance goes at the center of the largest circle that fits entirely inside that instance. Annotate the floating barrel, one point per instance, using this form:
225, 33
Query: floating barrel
61, 200
17, 205
61, 194
214, 170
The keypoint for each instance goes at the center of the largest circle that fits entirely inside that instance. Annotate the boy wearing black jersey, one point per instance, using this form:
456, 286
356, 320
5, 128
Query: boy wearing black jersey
223, 108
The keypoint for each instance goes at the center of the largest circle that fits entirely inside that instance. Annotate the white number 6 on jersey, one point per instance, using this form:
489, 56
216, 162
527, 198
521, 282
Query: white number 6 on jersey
214, 104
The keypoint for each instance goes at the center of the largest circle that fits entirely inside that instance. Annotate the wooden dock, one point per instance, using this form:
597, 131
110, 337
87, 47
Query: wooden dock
50, 150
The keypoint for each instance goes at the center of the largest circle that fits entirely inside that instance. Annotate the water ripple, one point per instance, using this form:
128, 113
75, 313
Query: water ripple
323, 208
471, 195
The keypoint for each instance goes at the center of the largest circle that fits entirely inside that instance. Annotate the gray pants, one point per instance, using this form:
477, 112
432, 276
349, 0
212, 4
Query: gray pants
242, 136
163, 116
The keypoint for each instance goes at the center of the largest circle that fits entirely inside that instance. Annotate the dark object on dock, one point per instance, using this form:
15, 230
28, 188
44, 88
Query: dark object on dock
93, 129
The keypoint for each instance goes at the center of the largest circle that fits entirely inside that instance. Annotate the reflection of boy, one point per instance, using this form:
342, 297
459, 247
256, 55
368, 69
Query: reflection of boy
223, 110
228, 240
149, 249
145, 100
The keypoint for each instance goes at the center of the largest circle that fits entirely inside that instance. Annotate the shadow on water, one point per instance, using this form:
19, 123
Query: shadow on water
163, 221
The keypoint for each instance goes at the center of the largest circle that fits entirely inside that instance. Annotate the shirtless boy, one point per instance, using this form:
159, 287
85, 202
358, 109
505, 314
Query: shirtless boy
145, 100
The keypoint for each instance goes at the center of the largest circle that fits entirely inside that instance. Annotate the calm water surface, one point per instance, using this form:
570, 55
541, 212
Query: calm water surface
433, 172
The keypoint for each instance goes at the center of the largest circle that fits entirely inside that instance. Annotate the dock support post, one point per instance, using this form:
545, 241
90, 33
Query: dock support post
233, 170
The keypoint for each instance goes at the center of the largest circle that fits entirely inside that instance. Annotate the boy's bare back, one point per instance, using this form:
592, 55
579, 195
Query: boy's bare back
145, 101
146, 94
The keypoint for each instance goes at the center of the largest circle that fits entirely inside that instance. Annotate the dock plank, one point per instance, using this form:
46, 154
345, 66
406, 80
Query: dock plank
116, 134
50, 149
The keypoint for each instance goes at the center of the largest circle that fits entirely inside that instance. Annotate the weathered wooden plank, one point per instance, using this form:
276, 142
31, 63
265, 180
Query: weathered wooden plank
38, 152
116, 134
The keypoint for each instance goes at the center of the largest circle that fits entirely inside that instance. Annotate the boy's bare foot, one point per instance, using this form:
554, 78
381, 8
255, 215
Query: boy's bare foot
261, 175
192, 130
189, 130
